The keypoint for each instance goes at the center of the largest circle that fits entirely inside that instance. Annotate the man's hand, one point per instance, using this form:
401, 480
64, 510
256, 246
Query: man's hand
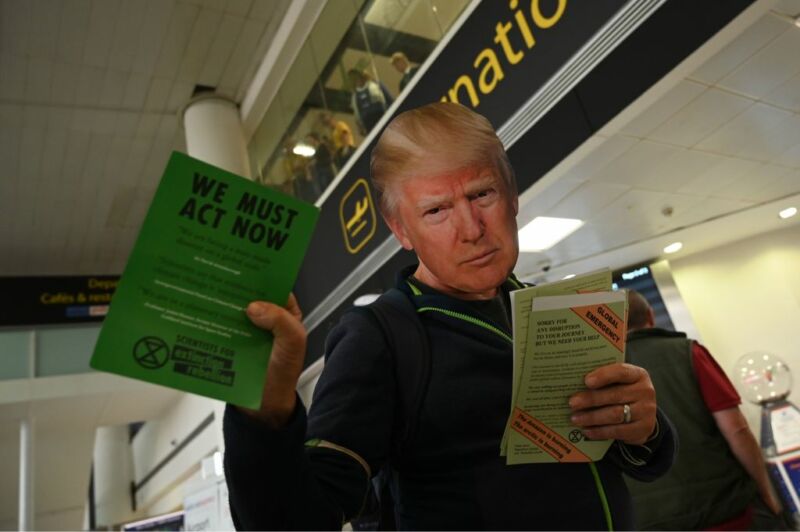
285, 362
600, 410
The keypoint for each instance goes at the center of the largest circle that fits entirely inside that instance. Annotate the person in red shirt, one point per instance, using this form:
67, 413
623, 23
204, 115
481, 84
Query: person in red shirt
719, 468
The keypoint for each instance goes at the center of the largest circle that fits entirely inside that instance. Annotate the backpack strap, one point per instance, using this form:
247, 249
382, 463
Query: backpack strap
411, 355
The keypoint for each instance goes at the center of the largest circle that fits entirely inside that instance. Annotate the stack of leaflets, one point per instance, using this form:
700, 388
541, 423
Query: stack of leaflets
562, 331
211, 243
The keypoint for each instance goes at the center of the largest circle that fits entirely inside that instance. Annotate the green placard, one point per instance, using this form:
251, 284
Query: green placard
211, 243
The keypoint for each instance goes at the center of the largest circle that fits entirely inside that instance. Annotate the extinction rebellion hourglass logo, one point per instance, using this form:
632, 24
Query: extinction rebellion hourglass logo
151, 352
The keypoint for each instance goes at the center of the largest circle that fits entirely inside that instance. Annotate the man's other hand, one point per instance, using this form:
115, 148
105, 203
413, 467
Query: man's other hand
285, 362
600, 410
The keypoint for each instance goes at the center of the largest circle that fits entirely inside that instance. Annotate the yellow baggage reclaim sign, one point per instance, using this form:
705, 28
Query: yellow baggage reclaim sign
357, 215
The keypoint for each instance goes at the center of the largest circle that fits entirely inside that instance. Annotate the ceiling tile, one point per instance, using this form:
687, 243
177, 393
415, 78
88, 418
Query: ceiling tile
606, 150
786, 95
44, 32
790, 157
137, 157
59, 118
81, 120
680, 205
769, 68
220, 52
16, 19
136, 91
154, 166
64, 88
700, 117
74, 161
12, 116
263, 11
113, 91
148, 123
167, 127
674, 171
762, 132
747, 186
126, 124
640, 205
587, 200
236, 67
14, 73
105, 247
631, 167
100, 35
126, 35
72, 31
199, 43
39, 81
154, 29
30, 161
786, 185
102, 121
789, 7
157, 94
118, 152
90, 84
176, 39
740, 49
238, 7
69, 251
711, 208
724, 172
9, 154
179, 95
545, 199
99, 145
652, 117
179, 144
216, 5
35, 116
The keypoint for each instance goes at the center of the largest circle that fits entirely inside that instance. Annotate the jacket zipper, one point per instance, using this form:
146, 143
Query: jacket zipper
469, 319
492, 328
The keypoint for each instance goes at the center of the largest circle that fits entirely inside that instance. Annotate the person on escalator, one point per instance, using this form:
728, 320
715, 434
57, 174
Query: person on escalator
370, 99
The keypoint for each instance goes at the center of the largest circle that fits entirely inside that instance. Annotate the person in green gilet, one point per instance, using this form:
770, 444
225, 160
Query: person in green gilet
719, 471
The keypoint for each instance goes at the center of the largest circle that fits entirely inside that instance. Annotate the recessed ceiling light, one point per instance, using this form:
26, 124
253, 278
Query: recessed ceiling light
303, 150
674, 247
788, 213
545, 232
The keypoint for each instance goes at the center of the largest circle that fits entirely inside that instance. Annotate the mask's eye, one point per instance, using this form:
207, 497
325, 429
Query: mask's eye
435, 214
485, 194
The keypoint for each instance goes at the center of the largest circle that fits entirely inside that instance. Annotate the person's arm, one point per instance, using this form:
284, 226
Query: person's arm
285, 473
722, 400
653, 458
733, 426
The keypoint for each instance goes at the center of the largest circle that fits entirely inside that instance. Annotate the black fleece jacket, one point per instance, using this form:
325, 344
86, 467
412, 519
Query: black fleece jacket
314, 473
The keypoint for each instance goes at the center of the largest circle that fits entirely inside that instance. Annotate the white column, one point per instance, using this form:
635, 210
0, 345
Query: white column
113, 473
214, 133
26, 475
